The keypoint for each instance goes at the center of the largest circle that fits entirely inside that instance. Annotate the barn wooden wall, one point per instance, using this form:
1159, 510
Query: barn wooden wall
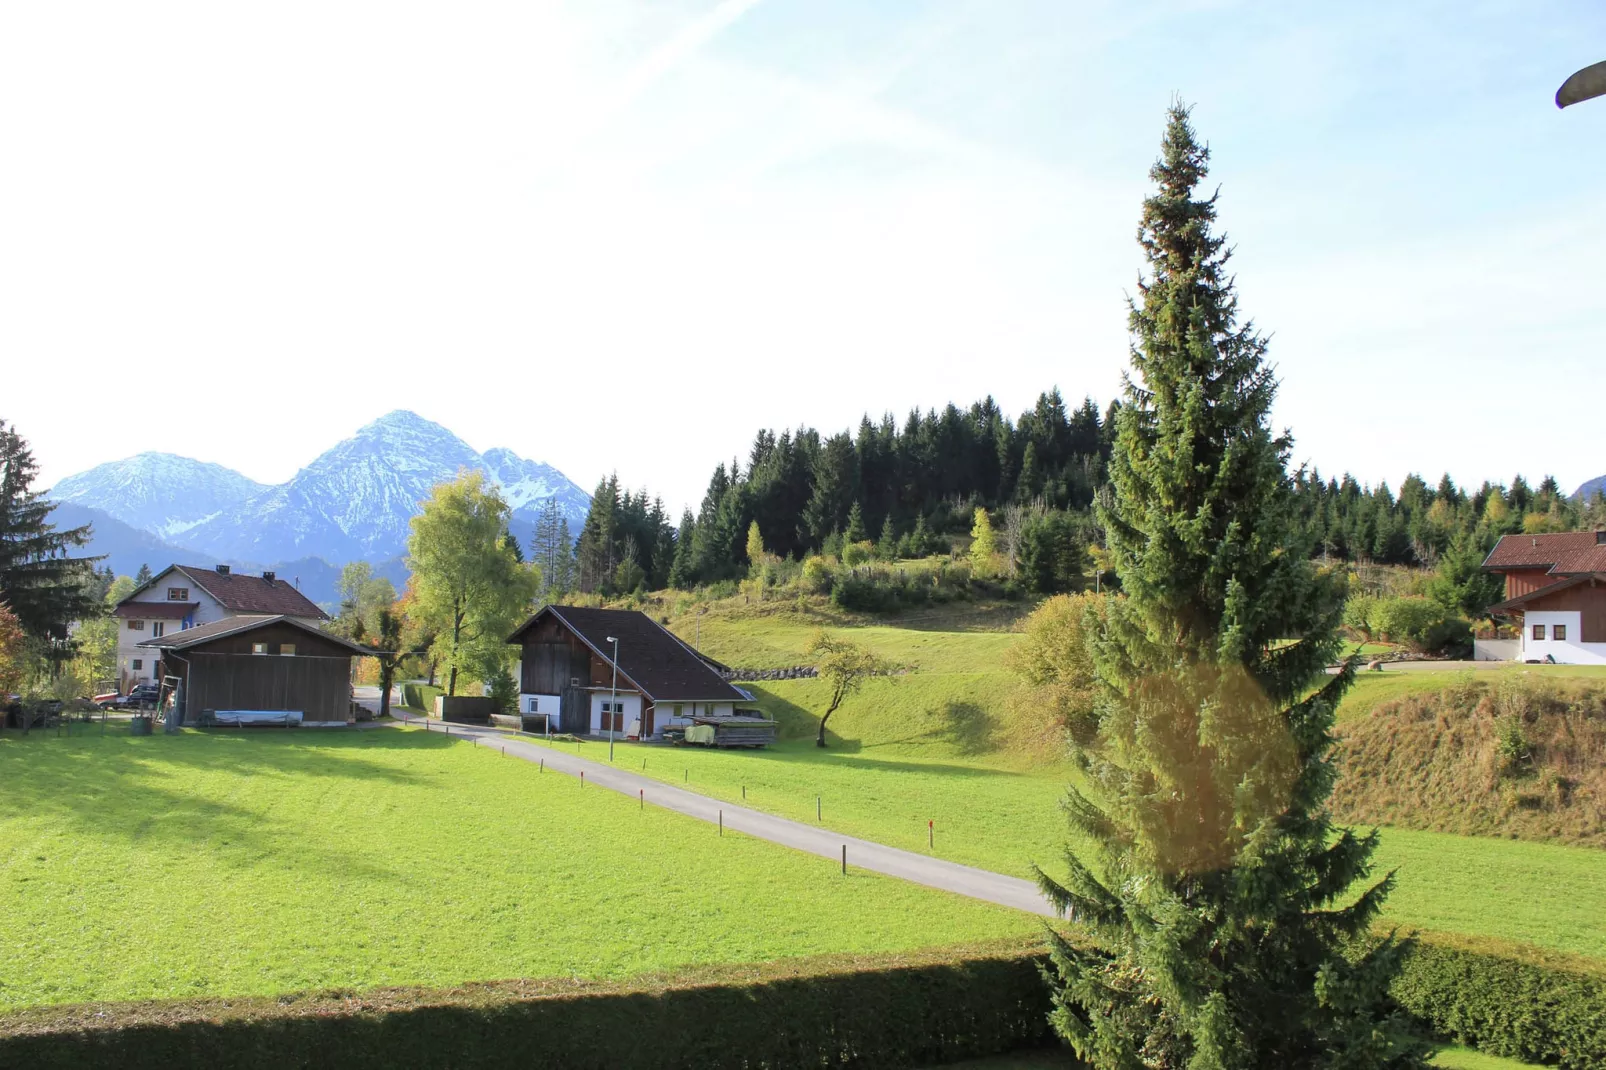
319, 687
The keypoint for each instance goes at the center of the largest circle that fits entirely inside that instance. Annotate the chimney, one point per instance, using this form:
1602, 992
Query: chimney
268, 576
223, 570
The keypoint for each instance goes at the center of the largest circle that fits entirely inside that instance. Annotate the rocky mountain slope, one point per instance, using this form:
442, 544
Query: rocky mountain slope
353, 502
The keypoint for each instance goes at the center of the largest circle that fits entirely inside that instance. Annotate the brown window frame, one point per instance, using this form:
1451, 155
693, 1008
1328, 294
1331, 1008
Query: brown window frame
1558, 632
1538, 633
178, 594
287, 650
136, 625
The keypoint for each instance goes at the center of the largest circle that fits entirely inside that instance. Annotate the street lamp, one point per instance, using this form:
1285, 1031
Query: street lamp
613, 695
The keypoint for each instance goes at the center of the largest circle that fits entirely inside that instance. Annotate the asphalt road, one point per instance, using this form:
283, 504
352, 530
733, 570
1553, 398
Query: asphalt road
817, 840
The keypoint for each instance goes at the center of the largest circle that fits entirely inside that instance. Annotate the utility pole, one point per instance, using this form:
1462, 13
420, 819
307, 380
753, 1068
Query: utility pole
613, 695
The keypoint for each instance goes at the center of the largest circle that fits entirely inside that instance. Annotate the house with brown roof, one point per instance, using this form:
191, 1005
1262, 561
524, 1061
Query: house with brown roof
185, 596
585, 671
1555, 594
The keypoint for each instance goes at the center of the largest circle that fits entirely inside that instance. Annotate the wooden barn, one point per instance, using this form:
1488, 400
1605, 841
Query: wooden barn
269, 666
567, 676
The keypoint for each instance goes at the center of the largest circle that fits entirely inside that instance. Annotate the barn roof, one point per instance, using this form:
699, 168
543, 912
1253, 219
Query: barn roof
663, 666
1565, 553
205, 633
241, 593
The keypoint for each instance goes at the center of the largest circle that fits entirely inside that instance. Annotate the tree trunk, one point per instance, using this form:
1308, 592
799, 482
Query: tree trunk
820, 741
387, 677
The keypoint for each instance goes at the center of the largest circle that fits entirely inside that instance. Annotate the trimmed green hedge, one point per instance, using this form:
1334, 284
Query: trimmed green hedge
1508, 999
912, 1010
421, 697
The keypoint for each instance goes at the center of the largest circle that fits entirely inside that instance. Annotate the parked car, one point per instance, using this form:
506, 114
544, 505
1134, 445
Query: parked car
139, 697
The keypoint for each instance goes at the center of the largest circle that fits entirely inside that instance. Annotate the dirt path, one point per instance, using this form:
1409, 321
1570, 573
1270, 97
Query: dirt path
861, 854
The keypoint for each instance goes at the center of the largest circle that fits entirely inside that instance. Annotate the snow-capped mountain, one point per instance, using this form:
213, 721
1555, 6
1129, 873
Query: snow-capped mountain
353, 502
159, 493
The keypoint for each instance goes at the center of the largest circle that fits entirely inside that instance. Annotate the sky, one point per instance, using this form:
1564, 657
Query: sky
621, 236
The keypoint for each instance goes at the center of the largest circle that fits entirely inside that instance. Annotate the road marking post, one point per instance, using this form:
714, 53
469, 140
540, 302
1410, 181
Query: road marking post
582, 778
816, 809
931, 835
642, 793
844, 860
744, 791
722, 822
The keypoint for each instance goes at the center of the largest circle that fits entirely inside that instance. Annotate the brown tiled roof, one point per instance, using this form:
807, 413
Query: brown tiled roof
242, 593
1512, 605
652, 658
154, 610
1565, 553
246, 623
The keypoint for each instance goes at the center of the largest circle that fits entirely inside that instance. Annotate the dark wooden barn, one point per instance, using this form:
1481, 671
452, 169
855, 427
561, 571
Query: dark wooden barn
255, 664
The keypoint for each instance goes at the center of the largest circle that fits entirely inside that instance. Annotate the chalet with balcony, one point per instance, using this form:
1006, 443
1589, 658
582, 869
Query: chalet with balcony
1555, 594
181, 597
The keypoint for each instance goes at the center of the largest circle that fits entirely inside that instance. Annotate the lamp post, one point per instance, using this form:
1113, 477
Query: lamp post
613, 695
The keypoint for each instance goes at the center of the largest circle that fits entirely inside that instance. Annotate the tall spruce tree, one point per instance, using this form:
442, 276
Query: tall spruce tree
45, 587
1212, 893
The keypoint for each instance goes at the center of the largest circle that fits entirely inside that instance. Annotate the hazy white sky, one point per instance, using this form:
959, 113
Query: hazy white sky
616, 235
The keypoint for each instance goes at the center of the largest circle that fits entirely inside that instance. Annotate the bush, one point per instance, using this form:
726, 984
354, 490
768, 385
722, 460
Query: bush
1420, 623
1358, 609
918, 1009
817, 575
1505, 1000
421, 696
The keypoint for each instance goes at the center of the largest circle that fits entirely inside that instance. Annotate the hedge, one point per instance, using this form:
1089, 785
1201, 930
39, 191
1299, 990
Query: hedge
421, 697
911, 1010
1508, 999
918, 1009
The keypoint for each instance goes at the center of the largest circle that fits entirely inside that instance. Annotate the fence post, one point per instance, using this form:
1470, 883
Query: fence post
722, 822
844, 860
642, 792
931, 835
816, 809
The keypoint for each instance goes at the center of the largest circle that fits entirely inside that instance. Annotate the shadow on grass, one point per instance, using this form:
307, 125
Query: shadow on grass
178, 792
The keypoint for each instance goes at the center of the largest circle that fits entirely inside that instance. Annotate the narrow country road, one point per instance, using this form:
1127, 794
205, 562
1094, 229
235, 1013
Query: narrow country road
862, 854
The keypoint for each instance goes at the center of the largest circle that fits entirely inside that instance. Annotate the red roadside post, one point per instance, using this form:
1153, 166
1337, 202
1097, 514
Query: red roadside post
931, 834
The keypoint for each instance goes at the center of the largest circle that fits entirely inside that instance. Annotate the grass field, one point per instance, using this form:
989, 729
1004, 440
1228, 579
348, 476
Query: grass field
1373, 688
260, 863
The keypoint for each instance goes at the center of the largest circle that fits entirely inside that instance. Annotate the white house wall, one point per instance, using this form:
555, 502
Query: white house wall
1568, 651
204, 607
632, 710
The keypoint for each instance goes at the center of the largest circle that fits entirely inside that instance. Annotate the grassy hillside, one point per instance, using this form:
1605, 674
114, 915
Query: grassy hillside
1517, 755
261, 863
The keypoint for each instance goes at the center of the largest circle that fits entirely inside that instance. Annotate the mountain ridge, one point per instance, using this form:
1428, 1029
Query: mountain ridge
354, 501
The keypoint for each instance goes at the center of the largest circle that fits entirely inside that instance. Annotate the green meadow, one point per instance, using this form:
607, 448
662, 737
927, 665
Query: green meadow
260, 863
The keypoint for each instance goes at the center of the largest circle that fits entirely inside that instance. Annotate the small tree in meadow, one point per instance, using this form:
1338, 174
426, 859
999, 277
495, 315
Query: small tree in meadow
983, 544
844, 666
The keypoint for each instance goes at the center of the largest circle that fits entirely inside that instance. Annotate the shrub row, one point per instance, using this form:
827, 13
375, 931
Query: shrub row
1507, 999
920, 1009
910, 1010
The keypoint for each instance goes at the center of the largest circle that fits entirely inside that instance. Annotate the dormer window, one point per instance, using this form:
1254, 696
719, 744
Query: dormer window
178, 594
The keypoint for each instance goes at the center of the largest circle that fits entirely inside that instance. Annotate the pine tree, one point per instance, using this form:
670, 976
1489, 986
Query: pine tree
855, 531
46, 589
1211, 934
143, 576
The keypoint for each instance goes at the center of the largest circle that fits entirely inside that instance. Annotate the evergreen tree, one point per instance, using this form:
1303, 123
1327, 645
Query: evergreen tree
855, 531
143, 576
1209, 899
886, 546
983, 544
755, 546
45, 588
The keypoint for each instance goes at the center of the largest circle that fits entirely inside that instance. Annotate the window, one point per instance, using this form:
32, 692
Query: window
259, 648
677, 709
156, 630
1539, 631
137, 664
1558, 632
287, 650
136, 625
178, 594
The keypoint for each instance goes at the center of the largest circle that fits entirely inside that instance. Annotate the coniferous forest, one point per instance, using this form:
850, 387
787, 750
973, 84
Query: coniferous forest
912, 489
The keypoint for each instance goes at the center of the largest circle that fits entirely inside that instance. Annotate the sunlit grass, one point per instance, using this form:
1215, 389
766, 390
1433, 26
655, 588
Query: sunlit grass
260, 862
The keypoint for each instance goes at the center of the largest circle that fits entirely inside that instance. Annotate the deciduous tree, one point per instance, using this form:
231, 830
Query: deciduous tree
1213, 896
467, 588
844, 666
